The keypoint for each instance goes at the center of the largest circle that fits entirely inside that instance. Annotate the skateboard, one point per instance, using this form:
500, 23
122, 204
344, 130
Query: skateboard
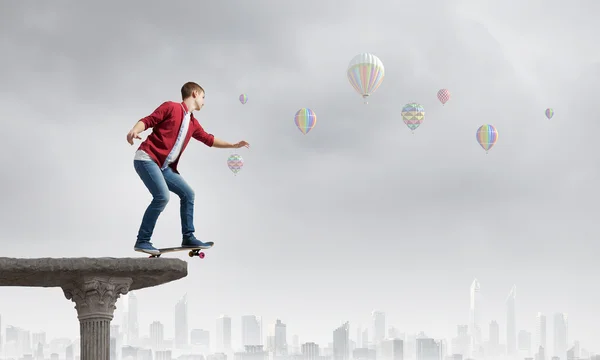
192, 251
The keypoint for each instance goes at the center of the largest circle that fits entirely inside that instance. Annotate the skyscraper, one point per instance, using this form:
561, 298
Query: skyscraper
428, 349
378, 326
392, 349
525, 341
310, 351
560, 335
460, 344
475, 315
181, 323
365, 338
133, 329
251, 330
200, 337
511, 322
223, 333
280, 338
341, 342
157, 335
540, 331
494, 335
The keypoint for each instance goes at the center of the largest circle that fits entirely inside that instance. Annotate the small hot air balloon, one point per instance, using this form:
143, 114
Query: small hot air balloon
549, 113
443, 96
305, 120
413, 115
487, 135
365, 73
235, 163
243, 98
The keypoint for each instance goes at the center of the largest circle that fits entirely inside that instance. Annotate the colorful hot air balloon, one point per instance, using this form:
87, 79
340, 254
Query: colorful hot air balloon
413, 115
549, 113
365, 73
305, 120
443, 96
243, 98
487, 135
235, 163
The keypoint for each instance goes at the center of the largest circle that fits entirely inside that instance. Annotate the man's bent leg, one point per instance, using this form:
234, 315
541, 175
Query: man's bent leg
179, 186
155, 182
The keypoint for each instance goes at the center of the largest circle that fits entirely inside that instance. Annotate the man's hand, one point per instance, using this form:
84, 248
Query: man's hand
133, 134
241, 144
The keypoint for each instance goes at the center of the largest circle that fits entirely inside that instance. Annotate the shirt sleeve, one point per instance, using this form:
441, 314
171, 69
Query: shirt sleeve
202, 136
159, 115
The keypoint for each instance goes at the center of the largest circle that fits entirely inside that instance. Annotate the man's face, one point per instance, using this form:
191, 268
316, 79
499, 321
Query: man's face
198, 99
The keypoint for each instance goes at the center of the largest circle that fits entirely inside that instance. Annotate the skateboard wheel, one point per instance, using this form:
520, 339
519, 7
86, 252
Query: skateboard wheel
201, 255
191, 253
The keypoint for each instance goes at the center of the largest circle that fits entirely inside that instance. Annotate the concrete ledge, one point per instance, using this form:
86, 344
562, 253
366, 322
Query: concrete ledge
58, 272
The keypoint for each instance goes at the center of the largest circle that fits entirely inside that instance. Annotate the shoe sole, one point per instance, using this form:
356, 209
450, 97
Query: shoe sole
149, 252
203, 247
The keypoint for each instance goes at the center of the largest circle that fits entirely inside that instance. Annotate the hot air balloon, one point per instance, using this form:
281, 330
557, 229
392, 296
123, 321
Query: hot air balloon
243, 98
549, 113
305, 120
235, 163
413, 115
365, 73
443, 96
487, 135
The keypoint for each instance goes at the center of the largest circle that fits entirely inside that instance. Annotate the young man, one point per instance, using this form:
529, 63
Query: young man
157, 157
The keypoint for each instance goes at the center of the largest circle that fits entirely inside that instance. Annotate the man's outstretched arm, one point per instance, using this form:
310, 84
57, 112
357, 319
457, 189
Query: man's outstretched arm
222, 144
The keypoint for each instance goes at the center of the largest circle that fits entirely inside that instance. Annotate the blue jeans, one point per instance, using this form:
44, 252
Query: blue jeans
159, 183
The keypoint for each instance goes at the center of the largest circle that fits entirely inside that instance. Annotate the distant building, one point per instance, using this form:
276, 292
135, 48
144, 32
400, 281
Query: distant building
341, 342
224, 333
253, 352
200, 337
251, 330
310, 351
428, 349
392, 349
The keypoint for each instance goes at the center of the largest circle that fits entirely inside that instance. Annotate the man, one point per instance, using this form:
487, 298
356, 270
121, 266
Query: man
157, 157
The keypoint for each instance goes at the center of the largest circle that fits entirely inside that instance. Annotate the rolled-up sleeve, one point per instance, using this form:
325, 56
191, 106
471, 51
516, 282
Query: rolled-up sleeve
202, 136
158, 115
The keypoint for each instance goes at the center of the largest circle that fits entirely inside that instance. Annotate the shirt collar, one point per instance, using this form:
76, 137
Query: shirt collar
185, 108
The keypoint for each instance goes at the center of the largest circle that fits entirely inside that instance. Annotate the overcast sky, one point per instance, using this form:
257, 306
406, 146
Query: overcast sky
321, 228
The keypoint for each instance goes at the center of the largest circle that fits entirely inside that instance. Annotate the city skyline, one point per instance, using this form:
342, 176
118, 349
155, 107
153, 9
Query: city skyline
223, 336
277, 341
323, 228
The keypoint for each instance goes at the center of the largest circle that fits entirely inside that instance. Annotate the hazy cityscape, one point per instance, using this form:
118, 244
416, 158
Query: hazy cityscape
259, 341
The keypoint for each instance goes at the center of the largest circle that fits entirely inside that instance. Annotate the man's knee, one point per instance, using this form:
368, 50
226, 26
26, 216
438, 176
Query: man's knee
189, 194
161, 200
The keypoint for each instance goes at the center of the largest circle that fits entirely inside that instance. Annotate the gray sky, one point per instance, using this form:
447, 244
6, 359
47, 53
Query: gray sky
321, 228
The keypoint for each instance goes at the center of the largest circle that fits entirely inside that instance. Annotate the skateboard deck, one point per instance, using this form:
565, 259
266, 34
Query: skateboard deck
192, 251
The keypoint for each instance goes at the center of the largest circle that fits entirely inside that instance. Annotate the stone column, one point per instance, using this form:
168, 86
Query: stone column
95, 298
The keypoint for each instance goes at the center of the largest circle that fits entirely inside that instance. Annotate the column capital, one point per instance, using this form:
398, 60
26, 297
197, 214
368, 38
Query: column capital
95, 296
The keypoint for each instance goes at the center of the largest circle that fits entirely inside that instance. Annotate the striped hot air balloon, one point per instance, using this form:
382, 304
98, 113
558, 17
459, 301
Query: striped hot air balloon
305, 120
365, 73
487, 135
